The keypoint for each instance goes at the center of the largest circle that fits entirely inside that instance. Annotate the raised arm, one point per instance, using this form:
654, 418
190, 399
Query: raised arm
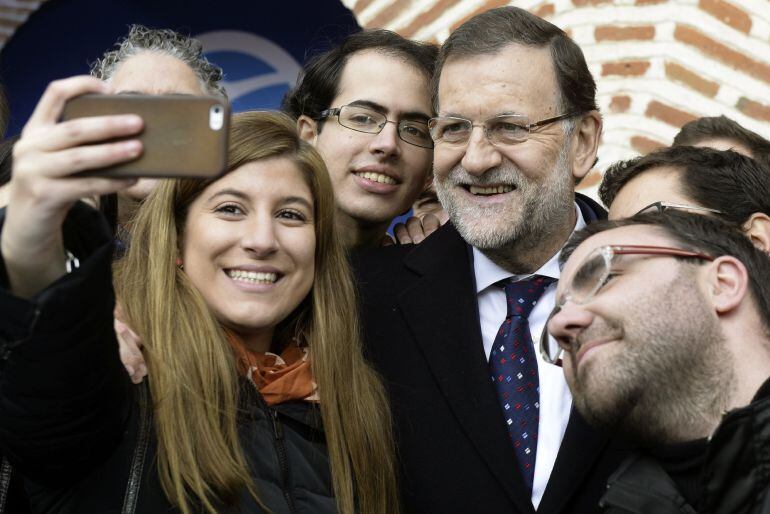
64, 396
43, 187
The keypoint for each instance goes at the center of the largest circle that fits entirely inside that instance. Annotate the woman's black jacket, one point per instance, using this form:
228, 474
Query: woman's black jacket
80, 436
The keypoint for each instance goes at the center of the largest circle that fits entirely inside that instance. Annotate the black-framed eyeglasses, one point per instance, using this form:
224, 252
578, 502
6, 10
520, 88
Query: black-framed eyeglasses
364, 119
504, 129
664, 206
593, 273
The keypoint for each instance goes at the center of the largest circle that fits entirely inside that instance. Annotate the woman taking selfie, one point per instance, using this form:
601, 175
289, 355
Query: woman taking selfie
258, 400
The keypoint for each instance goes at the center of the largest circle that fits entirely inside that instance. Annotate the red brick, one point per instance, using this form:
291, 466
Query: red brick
727, 13
594, 177
388, 14
691, 79
585, 3
18, 10
361, 5
12, 24
545, 10
668, 114
728, 56
625, 68
644, 145
620, 103
754, 109
489, 4
427, 17
620, 33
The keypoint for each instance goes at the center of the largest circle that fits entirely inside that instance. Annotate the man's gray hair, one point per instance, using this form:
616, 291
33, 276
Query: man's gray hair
490, 32
142, 39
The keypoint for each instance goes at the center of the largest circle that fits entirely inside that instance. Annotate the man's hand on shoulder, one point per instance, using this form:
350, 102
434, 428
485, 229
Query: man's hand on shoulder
130, 347
415, 230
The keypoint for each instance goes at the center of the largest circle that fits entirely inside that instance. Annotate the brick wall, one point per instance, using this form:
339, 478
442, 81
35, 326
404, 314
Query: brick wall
658, 63
13, 13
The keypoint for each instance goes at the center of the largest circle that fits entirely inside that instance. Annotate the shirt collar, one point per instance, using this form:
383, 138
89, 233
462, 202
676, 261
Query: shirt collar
488, 273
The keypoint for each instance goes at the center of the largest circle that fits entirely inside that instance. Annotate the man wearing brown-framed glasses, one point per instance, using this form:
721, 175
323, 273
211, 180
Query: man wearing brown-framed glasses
662, 325
482, 424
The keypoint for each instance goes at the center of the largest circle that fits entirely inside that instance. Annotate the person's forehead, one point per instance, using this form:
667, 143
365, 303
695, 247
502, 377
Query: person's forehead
629, 235
264, 179
384, 79
155, 73
518, 79
659, 184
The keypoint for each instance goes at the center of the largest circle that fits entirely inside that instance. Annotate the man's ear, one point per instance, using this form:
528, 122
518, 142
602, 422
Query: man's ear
757, 229
307, 128
585, 143
729, 283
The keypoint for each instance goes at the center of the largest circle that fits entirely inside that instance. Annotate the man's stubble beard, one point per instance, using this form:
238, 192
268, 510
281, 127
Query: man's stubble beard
669, 382
545, 205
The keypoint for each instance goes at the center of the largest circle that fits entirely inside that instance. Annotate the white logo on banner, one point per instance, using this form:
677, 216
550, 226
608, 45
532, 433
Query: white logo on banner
286, 68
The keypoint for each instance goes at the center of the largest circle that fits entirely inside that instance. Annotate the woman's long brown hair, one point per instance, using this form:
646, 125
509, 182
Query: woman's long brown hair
193, 377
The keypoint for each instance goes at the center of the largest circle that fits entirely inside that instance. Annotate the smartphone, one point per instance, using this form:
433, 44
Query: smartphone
183, 136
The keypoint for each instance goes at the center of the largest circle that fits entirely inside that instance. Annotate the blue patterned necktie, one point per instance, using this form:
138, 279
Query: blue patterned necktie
513, 367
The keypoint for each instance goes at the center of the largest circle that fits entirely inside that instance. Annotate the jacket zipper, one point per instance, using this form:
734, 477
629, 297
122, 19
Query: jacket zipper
282, 458
5, 481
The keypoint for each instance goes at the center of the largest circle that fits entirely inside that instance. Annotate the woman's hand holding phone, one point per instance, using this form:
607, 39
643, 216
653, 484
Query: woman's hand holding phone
42, 187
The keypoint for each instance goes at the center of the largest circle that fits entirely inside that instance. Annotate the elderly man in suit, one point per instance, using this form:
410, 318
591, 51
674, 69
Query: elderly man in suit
483, 424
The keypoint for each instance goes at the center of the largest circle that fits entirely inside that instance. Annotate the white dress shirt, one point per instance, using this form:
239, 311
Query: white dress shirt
555, 398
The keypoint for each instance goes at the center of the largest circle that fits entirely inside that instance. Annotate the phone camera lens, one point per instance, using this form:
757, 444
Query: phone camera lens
216, 117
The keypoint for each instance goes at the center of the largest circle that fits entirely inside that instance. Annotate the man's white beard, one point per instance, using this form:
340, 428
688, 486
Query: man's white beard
543, 205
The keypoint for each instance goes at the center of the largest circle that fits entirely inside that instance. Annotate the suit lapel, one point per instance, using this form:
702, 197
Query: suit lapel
442, 312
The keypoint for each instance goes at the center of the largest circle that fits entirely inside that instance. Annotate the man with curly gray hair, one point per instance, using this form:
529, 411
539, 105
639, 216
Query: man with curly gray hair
167, 42
155, 62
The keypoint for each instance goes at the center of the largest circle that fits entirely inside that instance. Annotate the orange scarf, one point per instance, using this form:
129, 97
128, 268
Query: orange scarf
278, 378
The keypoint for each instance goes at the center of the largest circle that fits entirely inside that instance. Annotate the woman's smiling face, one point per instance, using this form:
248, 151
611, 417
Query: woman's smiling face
249, 246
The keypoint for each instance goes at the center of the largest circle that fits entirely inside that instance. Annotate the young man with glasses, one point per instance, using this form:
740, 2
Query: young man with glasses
662, 325
483, 424
713, 182
365, 106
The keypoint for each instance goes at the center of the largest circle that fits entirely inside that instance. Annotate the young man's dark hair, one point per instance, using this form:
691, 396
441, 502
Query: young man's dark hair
727, 181
319, 81
722, 127
709, 235
491, 31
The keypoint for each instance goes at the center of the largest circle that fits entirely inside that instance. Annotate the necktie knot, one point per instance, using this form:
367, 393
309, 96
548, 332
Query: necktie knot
522, 295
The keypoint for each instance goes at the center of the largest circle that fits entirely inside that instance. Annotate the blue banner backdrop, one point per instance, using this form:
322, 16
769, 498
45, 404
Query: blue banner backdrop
260, 45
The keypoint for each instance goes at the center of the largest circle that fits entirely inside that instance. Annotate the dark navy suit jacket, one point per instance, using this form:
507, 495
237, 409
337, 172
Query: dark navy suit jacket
421, 332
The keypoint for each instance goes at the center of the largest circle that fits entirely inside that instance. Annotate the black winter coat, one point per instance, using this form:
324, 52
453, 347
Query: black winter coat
735, 478
80, 435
